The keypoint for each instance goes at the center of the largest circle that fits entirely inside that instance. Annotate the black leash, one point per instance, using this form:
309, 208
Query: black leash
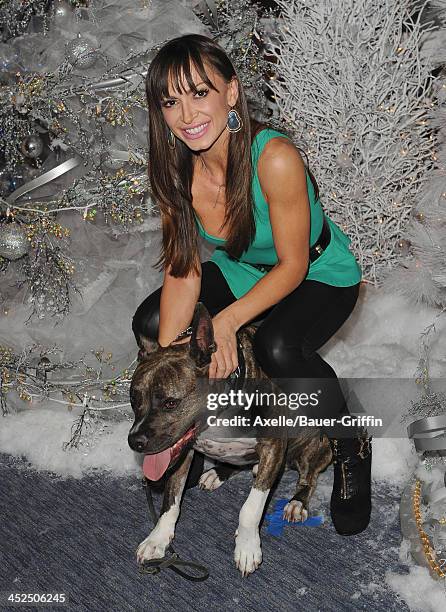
154, 566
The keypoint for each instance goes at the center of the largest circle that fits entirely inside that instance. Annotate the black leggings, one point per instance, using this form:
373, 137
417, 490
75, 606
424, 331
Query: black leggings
289, 335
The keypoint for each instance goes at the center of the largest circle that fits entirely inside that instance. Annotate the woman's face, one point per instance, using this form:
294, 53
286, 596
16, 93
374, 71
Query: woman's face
199, 119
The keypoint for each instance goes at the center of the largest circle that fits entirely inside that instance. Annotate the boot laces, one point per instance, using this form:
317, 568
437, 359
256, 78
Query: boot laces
346, 452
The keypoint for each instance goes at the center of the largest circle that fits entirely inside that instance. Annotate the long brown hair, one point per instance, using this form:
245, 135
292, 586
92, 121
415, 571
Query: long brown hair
171, 170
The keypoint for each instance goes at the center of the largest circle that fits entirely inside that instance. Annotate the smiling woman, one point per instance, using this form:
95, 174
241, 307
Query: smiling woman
280, 260
188, 88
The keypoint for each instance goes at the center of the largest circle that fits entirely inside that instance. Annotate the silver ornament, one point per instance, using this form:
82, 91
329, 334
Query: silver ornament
13, 241
32, 146
81, 53
61, 11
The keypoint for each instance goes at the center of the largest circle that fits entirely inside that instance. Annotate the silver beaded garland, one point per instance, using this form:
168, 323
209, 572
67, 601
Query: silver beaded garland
13, 241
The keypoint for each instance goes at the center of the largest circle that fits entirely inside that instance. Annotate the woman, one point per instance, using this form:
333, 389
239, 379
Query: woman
245, 188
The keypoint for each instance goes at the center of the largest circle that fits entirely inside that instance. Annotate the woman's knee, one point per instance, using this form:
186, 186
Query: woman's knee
145, 321
273, 353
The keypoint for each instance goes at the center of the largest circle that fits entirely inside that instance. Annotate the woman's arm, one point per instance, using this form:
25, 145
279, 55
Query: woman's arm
179, 297
281, 172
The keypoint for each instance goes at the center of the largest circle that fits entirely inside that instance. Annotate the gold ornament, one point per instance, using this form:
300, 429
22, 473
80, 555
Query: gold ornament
429, 552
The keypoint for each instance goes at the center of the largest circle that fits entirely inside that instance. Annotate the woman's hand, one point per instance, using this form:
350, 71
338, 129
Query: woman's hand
224, 361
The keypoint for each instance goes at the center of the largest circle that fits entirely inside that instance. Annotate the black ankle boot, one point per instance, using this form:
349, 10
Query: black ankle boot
350, 503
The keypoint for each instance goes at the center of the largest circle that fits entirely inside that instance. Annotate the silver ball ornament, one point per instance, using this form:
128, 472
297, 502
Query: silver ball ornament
32, 146
81, 53
13, 241
61, 11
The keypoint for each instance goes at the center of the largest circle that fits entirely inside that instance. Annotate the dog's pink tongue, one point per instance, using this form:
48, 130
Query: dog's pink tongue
154, 466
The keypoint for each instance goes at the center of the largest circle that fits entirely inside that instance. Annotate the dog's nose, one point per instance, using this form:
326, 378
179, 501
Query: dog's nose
137, 442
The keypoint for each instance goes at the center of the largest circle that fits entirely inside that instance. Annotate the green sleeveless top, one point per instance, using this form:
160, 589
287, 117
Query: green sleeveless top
336, 266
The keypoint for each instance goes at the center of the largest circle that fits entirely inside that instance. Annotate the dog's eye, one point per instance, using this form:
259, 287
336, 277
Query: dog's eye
170, 402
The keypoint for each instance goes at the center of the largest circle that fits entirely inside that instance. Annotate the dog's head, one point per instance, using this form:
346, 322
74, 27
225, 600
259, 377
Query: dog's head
164, 396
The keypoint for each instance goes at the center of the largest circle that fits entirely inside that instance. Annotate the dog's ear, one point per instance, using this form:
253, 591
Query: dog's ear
146, 346
201, 344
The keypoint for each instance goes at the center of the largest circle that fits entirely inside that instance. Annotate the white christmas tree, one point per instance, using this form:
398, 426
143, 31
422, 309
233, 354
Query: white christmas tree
354, 80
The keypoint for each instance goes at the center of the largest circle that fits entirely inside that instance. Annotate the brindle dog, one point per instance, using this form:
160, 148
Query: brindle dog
169, 426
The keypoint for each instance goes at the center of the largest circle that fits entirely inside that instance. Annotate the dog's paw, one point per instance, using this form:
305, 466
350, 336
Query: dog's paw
295, 511
247, 553
255, 469
153, 547
209, 481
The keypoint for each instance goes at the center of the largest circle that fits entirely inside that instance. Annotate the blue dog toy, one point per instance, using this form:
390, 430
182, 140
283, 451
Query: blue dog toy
276, 522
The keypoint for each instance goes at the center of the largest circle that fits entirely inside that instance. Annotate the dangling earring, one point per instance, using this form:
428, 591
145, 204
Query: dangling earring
234, 123
171, 139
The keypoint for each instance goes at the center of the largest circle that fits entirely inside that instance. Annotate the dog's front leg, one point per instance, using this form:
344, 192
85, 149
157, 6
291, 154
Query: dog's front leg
248, 552
155, 545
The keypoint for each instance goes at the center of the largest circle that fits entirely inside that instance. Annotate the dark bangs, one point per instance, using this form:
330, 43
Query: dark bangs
174, 61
